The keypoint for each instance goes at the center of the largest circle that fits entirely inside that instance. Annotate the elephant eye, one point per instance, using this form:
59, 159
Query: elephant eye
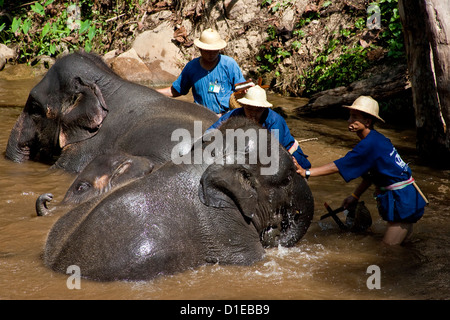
246, 178
286, 180
83, 186
36, 109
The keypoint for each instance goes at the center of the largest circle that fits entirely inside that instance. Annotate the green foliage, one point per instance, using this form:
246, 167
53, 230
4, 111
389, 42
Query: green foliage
328, 69
325, 74
45, 27
353, 61
326, 4
41, 33
276, 5
272, 54
392, 34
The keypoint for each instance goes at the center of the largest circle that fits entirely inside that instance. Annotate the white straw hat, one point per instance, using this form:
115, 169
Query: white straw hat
210, 40
255, 96
366, 104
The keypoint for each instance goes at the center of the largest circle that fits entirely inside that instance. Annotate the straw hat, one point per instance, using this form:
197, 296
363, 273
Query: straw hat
210, 40
255, 96
367, 105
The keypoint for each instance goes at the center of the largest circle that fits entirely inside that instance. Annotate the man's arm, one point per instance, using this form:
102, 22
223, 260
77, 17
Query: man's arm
326, 169
169, 92
354, 198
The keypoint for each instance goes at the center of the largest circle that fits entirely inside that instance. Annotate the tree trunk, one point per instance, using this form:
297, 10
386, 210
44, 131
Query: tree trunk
438, 12
426, 27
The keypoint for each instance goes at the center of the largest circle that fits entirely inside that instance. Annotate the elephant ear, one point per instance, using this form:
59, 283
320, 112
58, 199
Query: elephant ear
229, 186
82, 113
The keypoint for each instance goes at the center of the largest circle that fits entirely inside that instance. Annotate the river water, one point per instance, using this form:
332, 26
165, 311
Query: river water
326, 264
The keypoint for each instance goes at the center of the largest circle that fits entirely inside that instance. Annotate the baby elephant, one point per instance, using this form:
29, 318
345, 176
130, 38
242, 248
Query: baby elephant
103, 174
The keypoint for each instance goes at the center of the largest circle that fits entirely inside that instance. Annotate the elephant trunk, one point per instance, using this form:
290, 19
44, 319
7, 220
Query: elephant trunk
17, 150
16, 154
288, 232
291, 220
297, 218
41, 204
298, 225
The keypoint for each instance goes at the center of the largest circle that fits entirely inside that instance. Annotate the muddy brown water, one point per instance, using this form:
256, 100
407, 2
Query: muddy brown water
326, 264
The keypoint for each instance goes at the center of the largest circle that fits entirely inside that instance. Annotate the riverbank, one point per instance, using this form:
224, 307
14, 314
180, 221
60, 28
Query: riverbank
300, 48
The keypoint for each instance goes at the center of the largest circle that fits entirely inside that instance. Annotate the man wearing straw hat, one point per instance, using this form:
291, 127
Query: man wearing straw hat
256, 107
212, 76
400, 202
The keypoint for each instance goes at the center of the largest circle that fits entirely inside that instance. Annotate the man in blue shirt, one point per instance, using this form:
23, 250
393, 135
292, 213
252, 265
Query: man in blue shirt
212, 76
257, 108
375, 159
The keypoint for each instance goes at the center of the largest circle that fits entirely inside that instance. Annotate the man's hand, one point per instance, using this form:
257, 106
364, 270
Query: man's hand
349, 202
299, 168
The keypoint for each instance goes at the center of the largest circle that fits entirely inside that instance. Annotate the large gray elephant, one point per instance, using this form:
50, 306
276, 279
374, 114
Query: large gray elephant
81, 109
189, 213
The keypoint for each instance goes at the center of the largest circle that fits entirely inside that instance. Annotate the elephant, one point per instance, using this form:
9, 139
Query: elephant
81, 109
104, 173
188, 213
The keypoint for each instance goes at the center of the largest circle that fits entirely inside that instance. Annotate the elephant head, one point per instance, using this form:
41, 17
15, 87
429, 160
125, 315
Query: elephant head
65, 107
103, 174
278, 202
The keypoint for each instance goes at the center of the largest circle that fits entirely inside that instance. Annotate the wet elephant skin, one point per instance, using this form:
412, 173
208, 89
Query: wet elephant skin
182, 216
82, 109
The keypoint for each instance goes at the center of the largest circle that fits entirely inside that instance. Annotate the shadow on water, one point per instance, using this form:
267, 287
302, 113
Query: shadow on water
326, 264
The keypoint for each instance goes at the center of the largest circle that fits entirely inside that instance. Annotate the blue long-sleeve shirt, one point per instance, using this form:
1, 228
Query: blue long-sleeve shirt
376, 159
272, 120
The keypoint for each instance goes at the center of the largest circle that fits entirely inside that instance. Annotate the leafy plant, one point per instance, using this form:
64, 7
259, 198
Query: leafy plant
326, 4
342, 71
273, 53
325, 73
39, 9
45, 27
360, 23
392, 35
54, 37
275, 5
328, 70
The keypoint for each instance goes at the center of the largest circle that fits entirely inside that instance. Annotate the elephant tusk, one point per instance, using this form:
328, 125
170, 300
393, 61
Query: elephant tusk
41, 204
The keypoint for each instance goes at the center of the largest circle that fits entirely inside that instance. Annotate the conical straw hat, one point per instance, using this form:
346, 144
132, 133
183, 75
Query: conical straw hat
255, 96
366, 104
210, 40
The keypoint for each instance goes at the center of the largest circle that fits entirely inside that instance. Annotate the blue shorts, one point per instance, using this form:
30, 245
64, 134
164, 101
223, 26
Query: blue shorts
403, 205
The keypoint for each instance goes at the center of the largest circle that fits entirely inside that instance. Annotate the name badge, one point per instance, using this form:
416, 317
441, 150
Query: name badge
214, 87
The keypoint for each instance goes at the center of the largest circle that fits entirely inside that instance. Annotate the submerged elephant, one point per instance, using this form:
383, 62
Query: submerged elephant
104, 173
81, 109
188, 213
